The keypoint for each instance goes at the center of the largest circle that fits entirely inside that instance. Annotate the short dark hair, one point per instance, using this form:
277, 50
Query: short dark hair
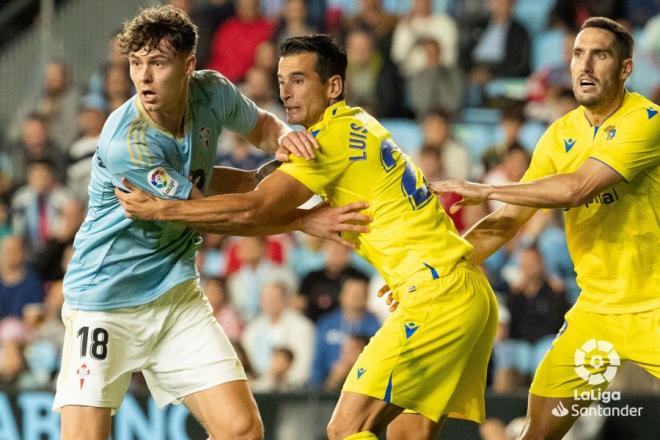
151, 25
330, 56
625, 43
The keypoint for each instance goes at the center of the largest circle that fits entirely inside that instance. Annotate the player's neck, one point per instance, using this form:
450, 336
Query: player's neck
597, 115
173, 118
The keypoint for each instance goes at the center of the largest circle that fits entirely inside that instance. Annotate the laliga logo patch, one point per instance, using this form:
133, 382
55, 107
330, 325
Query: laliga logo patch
592, 354
162, 182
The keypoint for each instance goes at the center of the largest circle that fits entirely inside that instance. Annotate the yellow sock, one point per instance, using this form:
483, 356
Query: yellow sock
364, 435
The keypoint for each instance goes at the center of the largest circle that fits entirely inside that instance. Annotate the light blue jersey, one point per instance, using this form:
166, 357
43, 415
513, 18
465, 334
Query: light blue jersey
119, 262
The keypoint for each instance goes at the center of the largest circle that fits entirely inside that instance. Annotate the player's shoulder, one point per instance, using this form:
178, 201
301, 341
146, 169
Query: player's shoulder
639, 111
343, 121
208, 82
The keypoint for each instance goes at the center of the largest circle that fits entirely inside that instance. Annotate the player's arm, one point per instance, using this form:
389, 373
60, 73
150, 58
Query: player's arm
275, 137
271, 208
494, 230
227, 180
556, 191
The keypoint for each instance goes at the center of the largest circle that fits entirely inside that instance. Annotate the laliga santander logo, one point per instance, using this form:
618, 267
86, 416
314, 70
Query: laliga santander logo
591, 355
162, 182
158, 178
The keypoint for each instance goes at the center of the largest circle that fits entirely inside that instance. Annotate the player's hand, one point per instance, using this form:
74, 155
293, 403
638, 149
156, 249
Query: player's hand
138, 204
300, 143
326, 222
472, 193
389, 299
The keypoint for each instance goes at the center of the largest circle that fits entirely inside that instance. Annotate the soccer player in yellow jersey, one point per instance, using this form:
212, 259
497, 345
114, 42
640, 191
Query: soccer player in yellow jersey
431, 355
601, 164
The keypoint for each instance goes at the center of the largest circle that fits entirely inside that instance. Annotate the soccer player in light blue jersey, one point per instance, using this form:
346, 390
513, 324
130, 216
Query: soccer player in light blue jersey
132, 299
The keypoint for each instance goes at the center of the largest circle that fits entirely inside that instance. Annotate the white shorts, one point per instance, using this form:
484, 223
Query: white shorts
174, 340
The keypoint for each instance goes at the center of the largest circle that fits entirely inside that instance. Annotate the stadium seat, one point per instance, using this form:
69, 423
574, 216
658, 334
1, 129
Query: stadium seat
405, 132
547, 49
476, 138
481, 115
530, 133
533, 14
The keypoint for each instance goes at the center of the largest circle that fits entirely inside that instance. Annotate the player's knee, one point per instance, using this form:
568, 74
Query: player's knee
248, 427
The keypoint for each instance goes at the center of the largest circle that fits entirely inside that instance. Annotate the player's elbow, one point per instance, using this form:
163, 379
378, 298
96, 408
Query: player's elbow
577, 194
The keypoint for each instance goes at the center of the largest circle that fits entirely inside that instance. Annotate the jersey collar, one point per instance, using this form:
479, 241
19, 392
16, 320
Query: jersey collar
328, 114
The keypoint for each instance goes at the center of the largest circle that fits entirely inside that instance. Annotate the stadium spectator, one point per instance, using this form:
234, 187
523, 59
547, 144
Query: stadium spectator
279, 326
47, 259
18, 285
350, 351
246, 285
334, 328
216, 291
319, 290
436, 85
236, 41
374, 81
421, 22
12, 362
117, 87
211, 258
499, 47
512, 167
437, 133
306, 255
57, 102
209, 16
293, 22
35, 143
90, 122
570, 14
5, 223
276, 379
37, 206
258, 86
114, 58
381, 24
240, 154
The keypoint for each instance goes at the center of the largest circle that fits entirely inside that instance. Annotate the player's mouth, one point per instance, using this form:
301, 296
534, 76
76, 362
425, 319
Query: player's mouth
148, 95
587, 84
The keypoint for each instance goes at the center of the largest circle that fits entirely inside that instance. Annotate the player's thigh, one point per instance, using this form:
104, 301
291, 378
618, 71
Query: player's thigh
644, 340
550, 418
101, 349
193, 354
413, 426
85, 422
357, 413
227, 410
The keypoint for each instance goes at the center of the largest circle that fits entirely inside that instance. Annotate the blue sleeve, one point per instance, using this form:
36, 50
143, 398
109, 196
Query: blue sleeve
147, 168
235, 111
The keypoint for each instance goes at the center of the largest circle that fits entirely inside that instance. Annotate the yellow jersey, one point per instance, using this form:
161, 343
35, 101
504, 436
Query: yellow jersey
614, 238
410, 234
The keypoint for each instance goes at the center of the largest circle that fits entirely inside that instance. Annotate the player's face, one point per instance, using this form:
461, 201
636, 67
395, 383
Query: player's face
161, 76
597, 71
304, 95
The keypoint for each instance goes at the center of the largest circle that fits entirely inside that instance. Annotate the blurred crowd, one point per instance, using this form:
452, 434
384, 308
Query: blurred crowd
466, 88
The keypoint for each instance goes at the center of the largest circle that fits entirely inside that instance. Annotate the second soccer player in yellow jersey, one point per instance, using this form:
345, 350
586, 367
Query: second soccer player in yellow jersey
431, 355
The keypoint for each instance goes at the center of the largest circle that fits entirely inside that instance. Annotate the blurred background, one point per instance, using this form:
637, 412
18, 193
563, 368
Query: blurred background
466, 88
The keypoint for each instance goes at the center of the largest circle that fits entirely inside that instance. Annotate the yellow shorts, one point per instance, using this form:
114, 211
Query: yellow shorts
431, 355
590, 347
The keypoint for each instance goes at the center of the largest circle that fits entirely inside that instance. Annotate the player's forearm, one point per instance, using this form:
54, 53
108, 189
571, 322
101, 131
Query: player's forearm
275, 226
494, 230
268, 132
556, 191
228, 180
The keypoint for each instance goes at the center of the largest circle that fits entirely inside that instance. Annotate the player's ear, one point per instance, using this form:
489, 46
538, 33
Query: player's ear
191, 61
335, 87
626, 68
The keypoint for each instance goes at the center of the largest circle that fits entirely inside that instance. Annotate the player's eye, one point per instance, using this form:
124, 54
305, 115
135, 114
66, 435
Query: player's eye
298, 81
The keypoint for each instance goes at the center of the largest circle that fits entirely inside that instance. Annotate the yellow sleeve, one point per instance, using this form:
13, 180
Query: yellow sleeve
636, 144
329, 164
541, 164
